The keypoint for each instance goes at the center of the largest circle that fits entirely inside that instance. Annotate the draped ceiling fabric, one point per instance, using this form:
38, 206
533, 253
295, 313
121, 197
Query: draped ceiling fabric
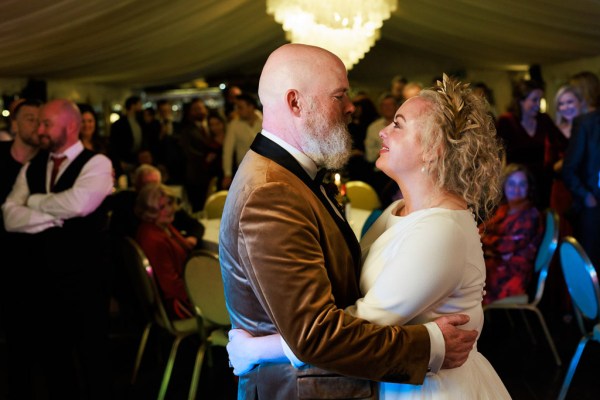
142, 43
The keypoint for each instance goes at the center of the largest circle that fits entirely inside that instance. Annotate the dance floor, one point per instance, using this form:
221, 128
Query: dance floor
527, 369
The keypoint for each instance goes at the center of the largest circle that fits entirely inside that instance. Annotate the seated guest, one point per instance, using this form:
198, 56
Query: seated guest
123, 219
511, 237
166, 249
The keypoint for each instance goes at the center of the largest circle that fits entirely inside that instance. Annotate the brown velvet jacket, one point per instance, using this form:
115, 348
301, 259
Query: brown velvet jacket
291, 265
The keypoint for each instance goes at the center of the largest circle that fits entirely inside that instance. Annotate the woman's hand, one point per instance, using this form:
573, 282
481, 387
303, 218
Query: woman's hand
240, 351
192, 241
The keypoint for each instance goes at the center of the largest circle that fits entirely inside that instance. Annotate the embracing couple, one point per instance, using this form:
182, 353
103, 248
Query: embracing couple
314, 316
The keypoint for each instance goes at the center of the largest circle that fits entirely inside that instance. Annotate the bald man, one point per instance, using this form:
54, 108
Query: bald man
290, 261
56, 206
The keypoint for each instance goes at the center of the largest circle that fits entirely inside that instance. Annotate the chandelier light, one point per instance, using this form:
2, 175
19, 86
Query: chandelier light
347, 28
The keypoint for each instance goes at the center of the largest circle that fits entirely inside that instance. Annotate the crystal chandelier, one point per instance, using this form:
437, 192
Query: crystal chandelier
347, 28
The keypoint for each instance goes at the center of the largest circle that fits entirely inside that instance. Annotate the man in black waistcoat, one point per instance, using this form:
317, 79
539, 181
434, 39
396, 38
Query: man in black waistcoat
57, 205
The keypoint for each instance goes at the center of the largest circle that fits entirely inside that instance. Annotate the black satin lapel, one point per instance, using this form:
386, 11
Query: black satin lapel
271, 150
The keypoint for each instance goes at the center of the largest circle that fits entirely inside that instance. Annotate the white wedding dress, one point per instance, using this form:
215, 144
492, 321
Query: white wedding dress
417, 268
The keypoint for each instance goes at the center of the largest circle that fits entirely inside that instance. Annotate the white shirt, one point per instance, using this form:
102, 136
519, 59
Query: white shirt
27, 213
240, 135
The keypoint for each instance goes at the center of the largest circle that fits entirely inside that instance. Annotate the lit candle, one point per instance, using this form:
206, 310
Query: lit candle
338, 180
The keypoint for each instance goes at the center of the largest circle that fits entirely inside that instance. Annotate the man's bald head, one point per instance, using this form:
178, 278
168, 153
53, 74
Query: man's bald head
60, 125
293, 76
304, 93
295, 66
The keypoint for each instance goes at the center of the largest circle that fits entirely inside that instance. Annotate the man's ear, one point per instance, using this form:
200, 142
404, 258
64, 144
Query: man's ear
292, 98
73, 127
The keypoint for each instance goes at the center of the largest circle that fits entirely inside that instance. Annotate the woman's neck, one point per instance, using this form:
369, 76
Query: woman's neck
426, 196
518, 205
87, 143
529, 123
565, 128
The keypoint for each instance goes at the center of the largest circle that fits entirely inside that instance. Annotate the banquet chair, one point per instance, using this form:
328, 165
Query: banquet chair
370, 220
582, 282
205, 289
149, 296
213, 207
542, 263
362, 195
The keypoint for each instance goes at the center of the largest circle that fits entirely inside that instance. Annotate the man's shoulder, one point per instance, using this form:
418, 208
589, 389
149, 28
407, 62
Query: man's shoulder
590, 118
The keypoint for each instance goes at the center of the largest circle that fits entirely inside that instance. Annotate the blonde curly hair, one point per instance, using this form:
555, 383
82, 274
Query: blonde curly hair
463, 153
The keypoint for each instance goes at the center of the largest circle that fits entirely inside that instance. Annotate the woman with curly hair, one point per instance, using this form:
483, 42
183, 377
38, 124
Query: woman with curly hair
422, 258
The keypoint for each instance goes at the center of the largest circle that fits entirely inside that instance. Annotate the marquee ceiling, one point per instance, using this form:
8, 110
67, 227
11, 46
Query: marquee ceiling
142, 43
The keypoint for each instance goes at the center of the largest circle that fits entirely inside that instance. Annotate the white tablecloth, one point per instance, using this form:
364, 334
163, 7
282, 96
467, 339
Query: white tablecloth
211, 234
357, 220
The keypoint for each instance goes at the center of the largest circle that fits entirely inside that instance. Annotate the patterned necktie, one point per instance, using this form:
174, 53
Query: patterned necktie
56, 162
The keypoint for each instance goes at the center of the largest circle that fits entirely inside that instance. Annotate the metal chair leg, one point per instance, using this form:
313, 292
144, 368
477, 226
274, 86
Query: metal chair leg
140, 353
572, 367
548, 337
169, 368
197, 370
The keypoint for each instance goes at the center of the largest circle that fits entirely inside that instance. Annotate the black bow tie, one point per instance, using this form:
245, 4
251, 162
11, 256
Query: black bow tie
320, 175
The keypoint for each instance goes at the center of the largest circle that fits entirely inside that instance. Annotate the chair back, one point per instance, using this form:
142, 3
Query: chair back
549, 241
213, 207
370, 220
546, 251
144, 283
362, 195
580, 276
205, 287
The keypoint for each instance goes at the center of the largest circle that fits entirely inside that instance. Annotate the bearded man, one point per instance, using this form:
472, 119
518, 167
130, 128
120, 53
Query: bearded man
290, 261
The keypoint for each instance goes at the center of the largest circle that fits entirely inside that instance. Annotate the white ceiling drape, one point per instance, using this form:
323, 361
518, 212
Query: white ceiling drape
139, 43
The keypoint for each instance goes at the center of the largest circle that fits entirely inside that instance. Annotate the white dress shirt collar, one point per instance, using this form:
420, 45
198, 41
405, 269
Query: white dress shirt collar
307, 164
70, 152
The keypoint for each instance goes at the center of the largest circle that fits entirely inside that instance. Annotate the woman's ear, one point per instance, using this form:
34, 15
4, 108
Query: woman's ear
292, 98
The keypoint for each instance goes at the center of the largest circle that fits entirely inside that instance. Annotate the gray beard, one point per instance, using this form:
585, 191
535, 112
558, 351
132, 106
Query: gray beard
327, 144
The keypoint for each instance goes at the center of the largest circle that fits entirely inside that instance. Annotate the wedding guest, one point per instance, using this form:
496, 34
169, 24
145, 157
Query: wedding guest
240, 134
198, 154
57, 203
588, 84
529, 136
217, 128
167, 250
124, 222
569, 104
581, 173
18, 327
511, 237
127, 137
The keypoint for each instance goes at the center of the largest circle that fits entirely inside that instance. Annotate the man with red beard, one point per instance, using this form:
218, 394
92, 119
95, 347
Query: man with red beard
56, 206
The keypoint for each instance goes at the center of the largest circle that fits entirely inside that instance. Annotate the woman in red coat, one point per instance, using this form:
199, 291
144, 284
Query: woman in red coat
511, 237
166, 249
